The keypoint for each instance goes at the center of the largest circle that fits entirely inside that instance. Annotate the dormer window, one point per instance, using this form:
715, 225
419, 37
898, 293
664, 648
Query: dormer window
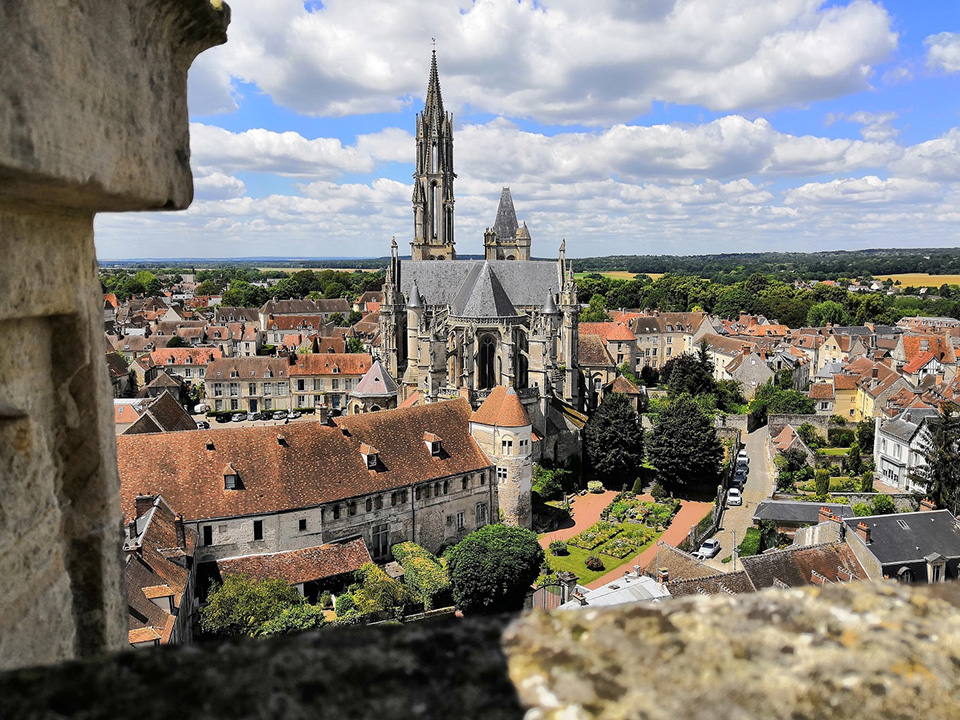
370, 455
335, 370
169, 361
233, 373
231, 478
188, 361
433, 442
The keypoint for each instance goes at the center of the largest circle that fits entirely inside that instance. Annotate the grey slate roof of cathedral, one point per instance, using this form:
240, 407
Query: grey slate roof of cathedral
506, 224
482, 295
525, 283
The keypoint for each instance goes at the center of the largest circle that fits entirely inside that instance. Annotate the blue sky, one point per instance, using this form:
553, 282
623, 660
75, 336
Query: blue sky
624, 126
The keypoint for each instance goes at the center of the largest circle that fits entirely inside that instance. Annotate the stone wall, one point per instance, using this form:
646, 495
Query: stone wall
776, 423
93, 117
882, 651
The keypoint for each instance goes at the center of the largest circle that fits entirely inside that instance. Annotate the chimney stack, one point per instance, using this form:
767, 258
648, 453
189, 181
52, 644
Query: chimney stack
863, 532
181, 532
132, 530
824, 515
663, 575
143, 503
927, 505
636, 571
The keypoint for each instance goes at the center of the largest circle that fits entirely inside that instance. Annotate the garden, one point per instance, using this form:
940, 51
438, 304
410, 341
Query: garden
627, 527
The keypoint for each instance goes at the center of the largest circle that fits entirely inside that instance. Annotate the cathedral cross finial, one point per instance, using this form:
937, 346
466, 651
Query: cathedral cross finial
434, 41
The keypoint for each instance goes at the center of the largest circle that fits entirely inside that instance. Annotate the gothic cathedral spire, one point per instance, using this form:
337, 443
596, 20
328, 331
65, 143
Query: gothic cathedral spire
433, 180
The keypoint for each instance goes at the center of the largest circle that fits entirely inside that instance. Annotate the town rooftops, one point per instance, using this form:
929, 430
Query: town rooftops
592, 352
502, 408
315, 464
906, 424
375, 383
247, 368
609, 331
324, 363
799, 566
910, 537
161, 414
622, 591
821, 391
524, 284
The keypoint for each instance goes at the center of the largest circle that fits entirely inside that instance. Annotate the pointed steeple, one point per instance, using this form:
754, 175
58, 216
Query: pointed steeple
433, 107
506, 223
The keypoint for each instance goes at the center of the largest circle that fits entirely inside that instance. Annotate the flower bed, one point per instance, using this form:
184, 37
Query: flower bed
626, 506
627, 543
594, 536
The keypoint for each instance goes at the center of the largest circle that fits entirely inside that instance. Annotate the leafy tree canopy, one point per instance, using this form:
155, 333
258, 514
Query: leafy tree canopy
613, 437
492, 568
597, 310
684, 447
242, 605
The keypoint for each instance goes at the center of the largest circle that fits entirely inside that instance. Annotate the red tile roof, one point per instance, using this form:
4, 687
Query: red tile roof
324, 363
821, 391
301, 566
502, 408
609, 331
918, 362
316, 464
197, 356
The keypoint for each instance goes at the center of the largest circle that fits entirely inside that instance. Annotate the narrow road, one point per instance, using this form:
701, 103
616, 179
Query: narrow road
736, 520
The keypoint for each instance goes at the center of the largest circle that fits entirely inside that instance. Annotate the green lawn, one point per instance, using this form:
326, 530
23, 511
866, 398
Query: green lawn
834, 451
574, 562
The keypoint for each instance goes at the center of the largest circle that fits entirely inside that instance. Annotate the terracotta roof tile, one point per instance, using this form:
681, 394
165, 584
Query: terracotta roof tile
324, 364
301, 566
592, 352
502, 408
609, 331
821, 391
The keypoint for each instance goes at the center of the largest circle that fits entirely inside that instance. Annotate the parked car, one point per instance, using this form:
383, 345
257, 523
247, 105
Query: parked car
280, 415
203, 425
708, 549
239, 417
294, 414
742, 455
738, 481
743, 468
734, 497
225, 418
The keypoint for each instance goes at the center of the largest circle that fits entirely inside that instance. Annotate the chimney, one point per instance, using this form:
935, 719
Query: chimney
926, 505
181, 532
132, 529
824, 515
143, 503
874, 372
863, 532
636, 571
663, 575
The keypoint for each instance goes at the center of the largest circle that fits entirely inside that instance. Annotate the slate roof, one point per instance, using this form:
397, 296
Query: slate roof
162, 414
482, 295
680, 565
301, 566
502, 408
925, 533
906, 424
316, 464
795, 511
800, 566
525, 284
506, 223
376, 382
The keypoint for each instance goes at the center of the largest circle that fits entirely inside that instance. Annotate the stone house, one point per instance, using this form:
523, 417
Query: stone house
411, 474
620, 341
248, 384
898, 447
912, 349
376, 391
597, 369
751, 370
274, 309
189, 364
840, 349
326, 379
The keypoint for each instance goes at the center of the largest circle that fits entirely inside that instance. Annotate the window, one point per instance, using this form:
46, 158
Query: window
501, 474
436, 490
335, 402
669, 351
378, 502
258, 529
393, 499
335, 384
218, 405
229, 482
234, 404
281, 388
403, 496
267, 402
234, 389
464, 483
483, 479
507, 446
187, 372
416, 494
446, 487
369, 504
252, 389
268, 388
208, 534
460, 521
302, 525
426, 492
336, 512
317, 385
352, 508
381, 540
481, 515
301, 385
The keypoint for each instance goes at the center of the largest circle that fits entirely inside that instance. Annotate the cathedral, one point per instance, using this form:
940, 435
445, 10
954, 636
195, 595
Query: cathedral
452, 327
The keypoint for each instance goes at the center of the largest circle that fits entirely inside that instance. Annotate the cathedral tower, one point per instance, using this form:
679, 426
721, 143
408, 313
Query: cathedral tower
507, 239
433, 180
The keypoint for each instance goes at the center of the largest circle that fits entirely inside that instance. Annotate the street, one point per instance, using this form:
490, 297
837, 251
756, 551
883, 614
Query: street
736, 520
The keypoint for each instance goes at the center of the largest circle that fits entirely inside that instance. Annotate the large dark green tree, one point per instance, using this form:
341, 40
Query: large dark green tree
243, 606
940, 472
614, 439
492, 568
684, 447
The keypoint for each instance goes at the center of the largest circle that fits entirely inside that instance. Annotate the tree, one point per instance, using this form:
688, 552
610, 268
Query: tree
354, 345
853, 461
177, 342
335, 290
822, 479
613, 437
828, 312
379, 592
422, 572
354, 317
294, 619
691, 374
596, 311
492, 568
865, 434
883, 505
791, 466
551, 483
338, 319
684, 447
242, 605
940, 472
649, 375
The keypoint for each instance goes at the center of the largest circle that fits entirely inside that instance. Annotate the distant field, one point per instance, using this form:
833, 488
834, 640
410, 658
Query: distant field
618, 274
922, 279
296, 269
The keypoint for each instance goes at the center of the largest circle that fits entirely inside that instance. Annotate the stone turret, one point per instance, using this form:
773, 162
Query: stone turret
507, 239
503, 430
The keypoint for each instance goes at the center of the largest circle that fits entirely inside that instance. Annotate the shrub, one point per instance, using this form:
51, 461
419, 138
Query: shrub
658, 493
808, 433
637, 486
344, 604
559, 547
551, 484
883, 505
861, 510
821, 479
595, 486
838, 420
294, 619
841, 437
866, 482
326, 600
422, 572
595, 535
594, 563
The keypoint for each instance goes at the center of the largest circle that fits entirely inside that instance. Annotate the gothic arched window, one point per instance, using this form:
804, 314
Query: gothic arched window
487, 376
